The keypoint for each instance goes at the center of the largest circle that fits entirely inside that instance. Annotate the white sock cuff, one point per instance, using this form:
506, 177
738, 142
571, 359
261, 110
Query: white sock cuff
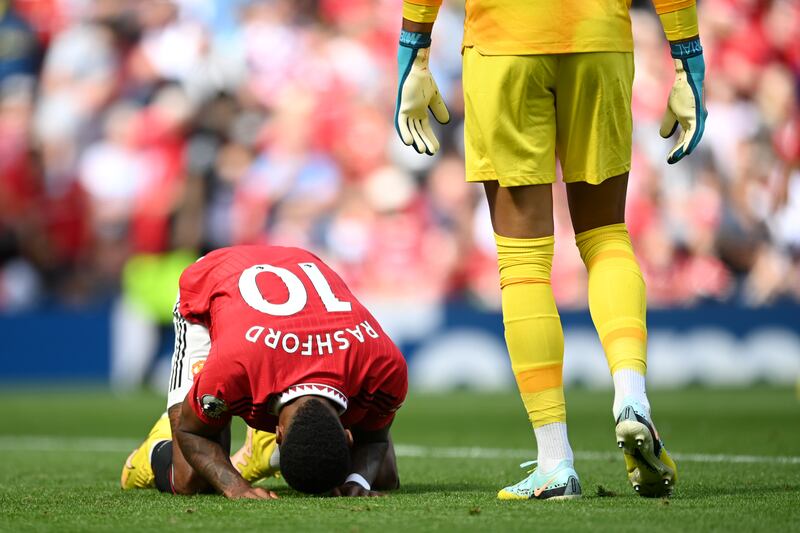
553, 445
629, 383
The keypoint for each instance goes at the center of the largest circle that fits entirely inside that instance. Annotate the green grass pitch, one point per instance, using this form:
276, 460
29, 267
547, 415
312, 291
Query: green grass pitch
738, 454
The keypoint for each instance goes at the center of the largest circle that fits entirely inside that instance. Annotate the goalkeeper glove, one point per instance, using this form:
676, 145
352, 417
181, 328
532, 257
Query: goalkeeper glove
685, 105
416, 93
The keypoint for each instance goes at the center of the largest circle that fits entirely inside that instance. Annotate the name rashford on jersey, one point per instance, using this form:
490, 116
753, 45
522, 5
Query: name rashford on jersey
283, 324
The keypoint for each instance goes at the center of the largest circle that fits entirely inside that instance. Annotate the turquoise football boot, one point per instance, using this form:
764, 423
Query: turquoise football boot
651, 470
559, 484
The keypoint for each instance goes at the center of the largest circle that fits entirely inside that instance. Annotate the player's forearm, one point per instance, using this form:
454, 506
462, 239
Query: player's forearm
419, 15
678, 18
367, 459
369, 453
211, 461
417, 27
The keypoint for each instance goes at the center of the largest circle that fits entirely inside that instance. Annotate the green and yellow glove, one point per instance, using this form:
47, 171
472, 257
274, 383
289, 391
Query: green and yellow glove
686, 104
417, 93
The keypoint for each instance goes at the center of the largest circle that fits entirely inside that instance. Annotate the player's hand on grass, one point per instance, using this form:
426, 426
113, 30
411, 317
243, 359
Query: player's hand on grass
251, 493
354, 490
417, 93
686, 103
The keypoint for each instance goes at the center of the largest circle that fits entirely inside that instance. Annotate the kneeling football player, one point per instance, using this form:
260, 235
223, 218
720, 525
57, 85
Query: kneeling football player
274, 336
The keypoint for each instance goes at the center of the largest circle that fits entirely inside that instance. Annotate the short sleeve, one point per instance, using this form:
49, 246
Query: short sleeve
213, 395
375, 420
381, 404
197, 284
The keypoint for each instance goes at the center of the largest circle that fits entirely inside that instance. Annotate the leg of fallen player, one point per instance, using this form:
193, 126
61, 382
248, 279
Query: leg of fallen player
522, 218
172, 472
617, 302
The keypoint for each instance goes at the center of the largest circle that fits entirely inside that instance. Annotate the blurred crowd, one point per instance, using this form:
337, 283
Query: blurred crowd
133, 128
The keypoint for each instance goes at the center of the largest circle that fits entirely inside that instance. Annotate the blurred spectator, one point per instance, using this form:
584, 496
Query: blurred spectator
166, 125
19, 52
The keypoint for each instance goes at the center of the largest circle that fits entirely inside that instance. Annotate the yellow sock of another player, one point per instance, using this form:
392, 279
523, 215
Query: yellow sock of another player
617, 299
534, 336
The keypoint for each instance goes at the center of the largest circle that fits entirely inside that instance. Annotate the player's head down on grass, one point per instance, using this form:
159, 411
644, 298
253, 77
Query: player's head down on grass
314, 446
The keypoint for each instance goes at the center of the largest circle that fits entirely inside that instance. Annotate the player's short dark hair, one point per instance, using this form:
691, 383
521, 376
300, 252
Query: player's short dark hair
314, 454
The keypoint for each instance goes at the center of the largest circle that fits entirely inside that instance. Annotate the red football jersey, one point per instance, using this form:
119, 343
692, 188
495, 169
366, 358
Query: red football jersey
283, 324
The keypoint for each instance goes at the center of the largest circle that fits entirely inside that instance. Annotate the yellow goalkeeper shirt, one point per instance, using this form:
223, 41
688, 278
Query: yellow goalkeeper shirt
520, 27
517, 27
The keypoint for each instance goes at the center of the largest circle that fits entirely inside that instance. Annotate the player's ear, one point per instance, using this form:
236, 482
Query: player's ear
279, 434
348, 435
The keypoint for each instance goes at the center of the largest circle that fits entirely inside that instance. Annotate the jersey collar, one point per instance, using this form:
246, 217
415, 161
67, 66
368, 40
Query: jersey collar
311, 389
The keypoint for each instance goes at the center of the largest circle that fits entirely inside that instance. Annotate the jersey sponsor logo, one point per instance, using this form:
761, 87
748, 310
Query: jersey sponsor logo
212, 406
311, 344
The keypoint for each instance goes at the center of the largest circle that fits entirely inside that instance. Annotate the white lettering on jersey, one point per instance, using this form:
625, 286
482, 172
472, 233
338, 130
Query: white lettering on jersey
356, 333
271, 339
312, 344
325, 346
340, 337
298, 297
285, 345
307, 345
371, 332
254, 333
331, 302
249, 291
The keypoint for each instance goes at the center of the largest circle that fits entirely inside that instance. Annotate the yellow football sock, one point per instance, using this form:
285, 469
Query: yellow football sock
617, 299
533, 328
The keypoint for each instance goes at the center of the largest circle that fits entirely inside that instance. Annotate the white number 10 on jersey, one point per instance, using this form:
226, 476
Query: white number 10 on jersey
298, 297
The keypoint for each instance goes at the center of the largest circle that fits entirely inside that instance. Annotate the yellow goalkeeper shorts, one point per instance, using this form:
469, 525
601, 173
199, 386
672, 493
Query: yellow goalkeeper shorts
520, 111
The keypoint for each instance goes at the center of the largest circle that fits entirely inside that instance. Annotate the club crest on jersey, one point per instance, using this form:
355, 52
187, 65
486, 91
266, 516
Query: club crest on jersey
196, 365
212, 406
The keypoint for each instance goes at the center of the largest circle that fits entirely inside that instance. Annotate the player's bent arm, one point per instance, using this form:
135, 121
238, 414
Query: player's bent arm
201, 447
373, 462
185, 480
388, 477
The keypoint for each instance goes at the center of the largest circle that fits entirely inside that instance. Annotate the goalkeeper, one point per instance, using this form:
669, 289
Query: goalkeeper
546, 79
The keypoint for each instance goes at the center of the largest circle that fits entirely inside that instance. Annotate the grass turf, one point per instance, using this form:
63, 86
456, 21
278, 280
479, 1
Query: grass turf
62, 452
